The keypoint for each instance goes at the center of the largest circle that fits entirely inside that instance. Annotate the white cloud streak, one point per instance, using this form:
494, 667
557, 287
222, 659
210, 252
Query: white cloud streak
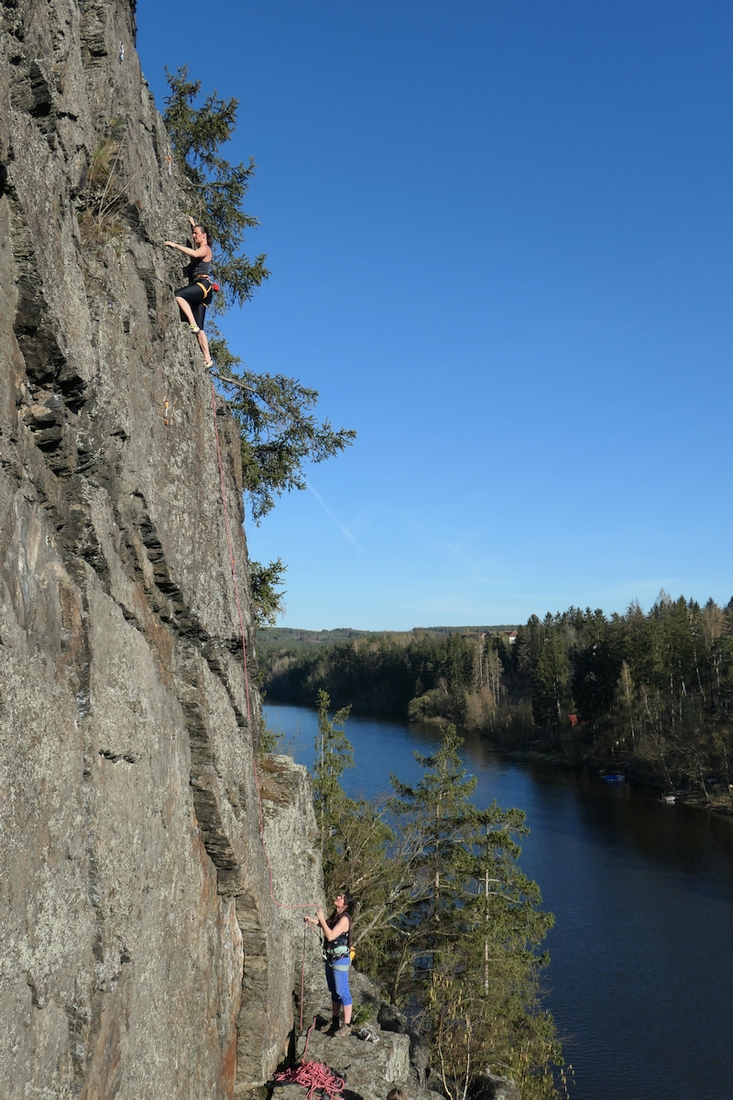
344, 530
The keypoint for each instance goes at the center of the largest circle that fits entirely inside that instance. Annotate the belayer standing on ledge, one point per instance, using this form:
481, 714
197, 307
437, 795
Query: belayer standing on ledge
337, 956
193, 299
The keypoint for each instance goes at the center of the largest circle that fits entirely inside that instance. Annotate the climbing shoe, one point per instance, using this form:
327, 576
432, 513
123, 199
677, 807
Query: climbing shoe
343, 1032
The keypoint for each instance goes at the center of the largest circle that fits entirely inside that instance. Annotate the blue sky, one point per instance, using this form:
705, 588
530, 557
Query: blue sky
500, 236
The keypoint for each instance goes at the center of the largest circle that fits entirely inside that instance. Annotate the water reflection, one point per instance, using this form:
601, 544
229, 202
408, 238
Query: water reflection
641, 979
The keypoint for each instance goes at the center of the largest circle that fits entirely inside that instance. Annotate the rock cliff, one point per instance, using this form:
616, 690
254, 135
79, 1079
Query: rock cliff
143, 954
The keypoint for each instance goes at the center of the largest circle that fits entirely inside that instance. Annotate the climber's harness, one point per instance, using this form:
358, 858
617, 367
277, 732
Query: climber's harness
206, 285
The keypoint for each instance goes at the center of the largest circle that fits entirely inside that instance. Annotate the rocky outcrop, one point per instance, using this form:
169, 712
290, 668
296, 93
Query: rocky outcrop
371, 1062
143, 952
380, 1054
369, 1069
494, 1086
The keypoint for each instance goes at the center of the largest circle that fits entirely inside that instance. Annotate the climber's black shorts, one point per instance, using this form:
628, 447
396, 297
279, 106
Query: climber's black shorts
194, 295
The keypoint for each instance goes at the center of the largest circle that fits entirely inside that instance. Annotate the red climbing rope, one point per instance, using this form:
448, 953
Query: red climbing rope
279, 904
314, 1076
233, 567
232, 560
302, 981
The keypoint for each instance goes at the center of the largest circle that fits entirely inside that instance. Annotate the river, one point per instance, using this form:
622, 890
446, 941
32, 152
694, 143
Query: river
641, 978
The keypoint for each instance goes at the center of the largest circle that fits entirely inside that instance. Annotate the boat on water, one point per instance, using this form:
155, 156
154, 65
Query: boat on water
669, 798
613, 777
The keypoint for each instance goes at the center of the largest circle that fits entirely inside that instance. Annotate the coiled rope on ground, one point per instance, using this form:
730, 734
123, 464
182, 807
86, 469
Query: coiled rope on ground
314, 1076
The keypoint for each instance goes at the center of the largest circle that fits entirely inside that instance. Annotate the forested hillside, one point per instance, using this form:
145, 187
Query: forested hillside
649, 692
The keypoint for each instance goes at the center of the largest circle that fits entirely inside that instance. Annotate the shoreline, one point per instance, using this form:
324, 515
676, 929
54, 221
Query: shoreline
718, 801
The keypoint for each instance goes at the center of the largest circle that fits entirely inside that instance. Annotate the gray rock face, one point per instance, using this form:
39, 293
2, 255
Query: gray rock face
143, 952
290, 833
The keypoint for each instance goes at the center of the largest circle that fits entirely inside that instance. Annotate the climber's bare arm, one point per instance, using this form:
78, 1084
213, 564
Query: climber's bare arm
195, 253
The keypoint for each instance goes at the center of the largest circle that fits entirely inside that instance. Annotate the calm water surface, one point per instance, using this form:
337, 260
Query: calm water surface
641, 979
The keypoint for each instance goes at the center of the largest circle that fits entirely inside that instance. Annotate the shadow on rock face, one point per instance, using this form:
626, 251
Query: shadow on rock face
391, 1019
492, 1086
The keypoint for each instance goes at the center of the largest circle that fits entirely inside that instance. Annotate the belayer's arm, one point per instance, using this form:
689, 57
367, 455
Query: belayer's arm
338, 930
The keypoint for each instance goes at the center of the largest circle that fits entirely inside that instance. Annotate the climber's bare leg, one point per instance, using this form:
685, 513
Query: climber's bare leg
204, 345
186, 310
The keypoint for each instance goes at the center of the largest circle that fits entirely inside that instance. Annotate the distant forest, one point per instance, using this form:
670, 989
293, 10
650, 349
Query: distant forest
646, 693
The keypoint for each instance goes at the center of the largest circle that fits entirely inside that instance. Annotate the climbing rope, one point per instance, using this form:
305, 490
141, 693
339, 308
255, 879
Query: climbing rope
232, 564
318, 1076
233, 567
302, 979
314, 1076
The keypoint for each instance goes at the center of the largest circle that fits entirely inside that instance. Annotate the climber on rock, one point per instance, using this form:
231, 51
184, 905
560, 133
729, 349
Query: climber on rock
193, 299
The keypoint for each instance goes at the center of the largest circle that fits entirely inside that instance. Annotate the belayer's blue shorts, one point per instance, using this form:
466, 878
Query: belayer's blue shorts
337, 977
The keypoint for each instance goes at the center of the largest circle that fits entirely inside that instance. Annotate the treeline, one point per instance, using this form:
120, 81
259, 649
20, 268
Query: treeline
378, 673
647, 691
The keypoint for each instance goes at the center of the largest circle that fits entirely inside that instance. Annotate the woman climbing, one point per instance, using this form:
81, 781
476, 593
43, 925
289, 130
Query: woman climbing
337, 956
193, 299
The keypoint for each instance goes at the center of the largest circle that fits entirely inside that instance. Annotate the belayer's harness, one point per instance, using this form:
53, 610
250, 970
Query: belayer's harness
338, 950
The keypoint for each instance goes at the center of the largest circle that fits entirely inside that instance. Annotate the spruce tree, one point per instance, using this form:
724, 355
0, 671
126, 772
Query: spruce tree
446, 920
467, 952
279, 434
333, 755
